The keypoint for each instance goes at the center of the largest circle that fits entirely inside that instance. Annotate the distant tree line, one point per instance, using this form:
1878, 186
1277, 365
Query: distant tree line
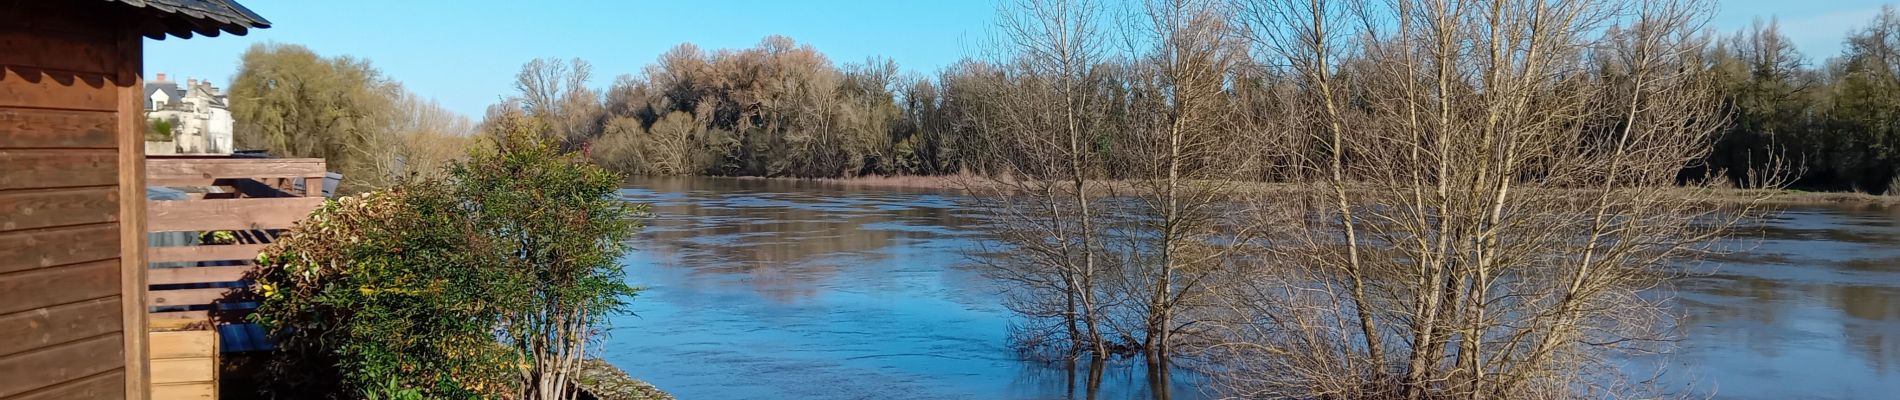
784, 109
1837, 125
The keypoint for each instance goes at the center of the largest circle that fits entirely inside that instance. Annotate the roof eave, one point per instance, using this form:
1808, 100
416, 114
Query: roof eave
183, 18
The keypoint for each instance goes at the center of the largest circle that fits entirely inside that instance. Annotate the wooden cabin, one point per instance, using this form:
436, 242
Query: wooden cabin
73, 276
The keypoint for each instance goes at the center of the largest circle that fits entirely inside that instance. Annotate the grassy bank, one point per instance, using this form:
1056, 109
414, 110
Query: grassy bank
1802, 198
1768, 197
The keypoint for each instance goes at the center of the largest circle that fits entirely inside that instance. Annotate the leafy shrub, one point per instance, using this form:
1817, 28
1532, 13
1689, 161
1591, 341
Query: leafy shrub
550, 221
474, 285
376, 291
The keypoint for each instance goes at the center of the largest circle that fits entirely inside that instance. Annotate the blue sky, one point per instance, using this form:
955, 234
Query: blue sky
465, 53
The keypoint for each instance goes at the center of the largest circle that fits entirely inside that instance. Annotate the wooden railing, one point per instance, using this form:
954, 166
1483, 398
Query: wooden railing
207, 233
246, 200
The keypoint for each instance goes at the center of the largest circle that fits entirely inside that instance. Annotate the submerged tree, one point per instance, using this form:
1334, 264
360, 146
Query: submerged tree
1181, 156
1046, 120
1494, 209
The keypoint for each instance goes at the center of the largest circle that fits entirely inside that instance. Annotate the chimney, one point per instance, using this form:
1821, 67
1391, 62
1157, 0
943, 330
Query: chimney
161, 77
191, 82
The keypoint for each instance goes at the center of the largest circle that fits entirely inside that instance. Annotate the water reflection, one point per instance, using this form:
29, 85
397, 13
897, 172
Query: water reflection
786, 290
783, 290
1807, 310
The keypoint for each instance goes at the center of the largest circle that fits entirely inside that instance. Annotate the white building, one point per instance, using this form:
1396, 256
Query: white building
201, 123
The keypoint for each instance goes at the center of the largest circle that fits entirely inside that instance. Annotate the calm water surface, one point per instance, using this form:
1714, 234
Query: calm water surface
786, 290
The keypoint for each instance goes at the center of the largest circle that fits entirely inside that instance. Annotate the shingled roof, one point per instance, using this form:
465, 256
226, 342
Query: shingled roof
181, 18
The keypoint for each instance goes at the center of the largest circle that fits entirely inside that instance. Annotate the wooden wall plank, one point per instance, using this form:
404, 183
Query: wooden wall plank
183, 370
25, 372
63, 53
172, 276
232, 214
183, 344
31, 209
47, 287
246, 252
33, 169
41, 248
43, 92
185, 391
165, 170
34, 329
109, 385
29, 128
188, 297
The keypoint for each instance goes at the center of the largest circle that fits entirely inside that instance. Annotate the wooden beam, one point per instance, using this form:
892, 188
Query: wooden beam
184, 391
183, 344
168, 170
313, 186
172, 276
192, 297
29, 128
182, 370
214, 252
233, 214
132, 228
194, 315
177, 320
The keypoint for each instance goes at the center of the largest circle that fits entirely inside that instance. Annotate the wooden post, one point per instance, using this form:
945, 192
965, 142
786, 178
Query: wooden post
132, 239
313, 186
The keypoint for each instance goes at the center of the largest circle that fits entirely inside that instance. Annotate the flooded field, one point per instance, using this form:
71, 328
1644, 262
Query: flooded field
790, 290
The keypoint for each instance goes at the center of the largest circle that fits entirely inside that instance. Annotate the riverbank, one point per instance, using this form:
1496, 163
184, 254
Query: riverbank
602, 381
964, 182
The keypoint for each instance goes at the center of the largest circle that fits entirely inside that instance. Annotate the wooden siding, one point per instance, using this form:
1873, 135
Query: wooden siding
71, 264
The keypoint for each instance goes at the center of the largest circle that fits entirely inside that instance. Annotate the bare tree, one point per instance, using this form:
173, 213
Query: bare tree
1184, 162
556, 92
1045, 118
1495, 211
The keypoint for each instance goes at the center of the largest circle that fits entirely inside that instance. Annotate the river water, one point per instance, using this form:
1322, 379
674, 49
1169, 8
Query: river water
758, 289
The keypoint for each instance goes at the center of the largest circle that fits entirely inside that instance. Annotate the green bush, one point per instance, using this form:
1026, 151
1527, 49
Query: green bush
159, 130
459, 287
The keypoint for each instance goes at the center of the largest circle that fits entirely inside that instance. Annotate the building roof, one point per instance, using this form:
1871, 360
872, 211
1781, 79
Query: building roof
209, 95
171, 90
181, 18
